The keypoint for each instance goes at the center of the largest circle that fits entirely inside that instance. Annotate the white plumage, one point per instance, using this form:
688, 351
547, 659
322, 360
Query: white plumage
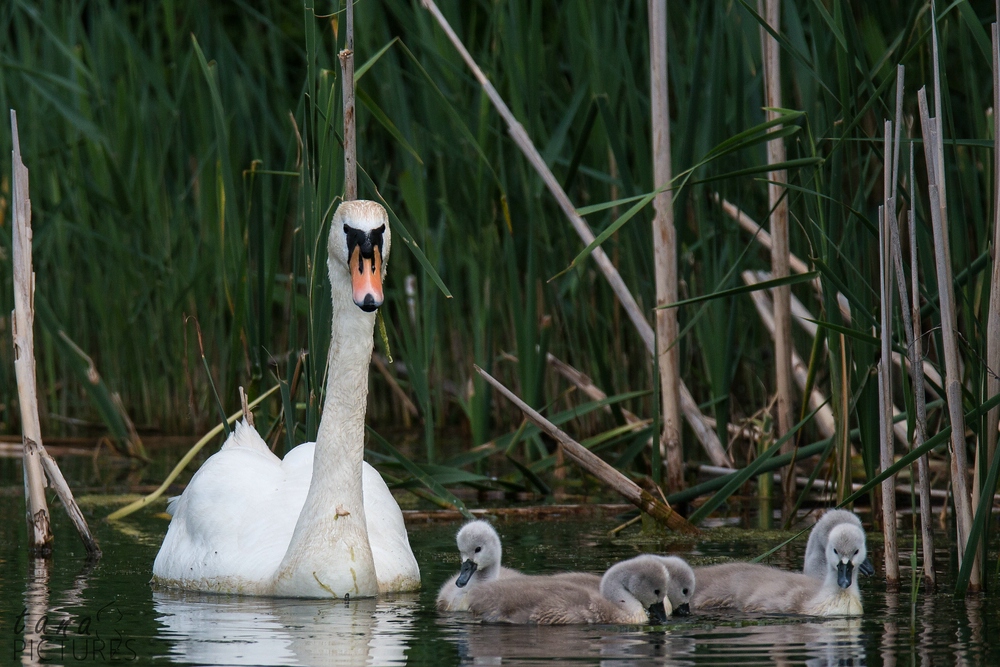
321, 522
233, 524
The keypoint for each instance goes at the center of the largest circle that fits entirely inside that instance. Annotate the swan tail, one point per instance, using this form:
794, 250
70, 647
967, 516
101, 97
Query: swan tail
244, 435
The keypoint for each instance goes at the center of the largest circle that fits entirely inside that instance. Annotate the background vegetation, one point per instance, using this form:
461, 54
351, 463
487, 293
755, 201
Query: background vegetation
184, 157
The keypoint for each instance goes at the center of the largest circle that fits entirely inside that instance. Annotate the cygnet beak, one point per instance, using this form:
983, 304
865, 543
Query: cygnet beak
844, 572
468, 569
657, 613
682, 610
866, 568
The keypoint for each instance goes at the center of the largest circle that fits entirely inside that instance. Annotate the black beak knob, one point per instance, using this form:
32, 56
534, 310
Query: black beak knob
369, 304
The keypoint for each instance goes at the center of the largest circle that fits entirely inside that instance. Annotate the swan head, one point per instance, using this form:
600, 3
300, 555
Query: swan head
680, 590
479, 546
846, 552
645, 579
359, 250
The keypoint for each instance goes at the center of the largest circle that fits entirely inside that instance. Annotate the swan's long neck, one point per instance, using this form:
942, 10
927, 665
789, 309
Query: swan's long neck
341, 435
332, 529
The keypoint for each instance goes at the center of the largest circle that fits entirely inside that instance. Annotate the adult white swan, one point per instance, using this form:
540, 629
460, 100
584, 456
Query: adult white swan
321, 522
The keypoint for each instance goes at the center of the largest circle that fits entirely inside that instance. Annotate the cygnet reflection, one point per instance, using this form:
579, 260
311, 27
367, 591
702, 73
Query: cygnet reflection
833, 642
538, 645
222, 630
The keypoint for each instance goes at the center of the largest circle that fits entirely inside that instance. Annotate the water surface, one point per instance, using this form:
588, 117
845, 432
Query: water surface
73, 613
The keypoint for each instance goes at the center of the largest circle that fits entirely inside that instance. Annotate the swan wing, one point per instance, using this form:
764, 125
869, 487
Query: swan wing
232, 525
245, 436
395, 566
753, 587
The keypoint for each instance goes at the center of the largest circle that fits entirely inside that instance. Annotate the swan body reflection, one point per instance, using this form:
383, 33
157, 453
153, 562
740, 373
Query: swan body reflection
230, 630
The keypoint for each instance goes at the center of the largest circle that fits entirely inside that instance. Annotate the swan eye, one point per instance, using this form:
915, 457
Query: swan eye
657, 592
836, 553
684, 592
856, 551
478, 549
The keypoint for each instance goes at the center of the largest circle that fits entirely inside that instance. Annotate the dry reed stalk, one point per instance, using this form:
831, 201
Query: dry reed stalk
980, 466
748, 431
665, 248
844, 442
902, 490
596, 466
778, 205
949, 326
761, 235
920, 398
886, 441
887, 221
583, 382
706, 436
910, 312
61, 487
934, 154
409, 409
807, 322
247, 414
22, 319
350, 132
187, 458
824, 417
36, 460
993, 318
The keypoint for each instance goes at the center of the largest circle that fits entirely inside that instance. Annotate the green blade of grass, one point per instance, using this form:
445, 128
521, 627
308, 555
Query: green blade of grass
744, 289
384, 120
531, 476
418, 473
982, 516
90, 379
939, 439
738, 479
406, 236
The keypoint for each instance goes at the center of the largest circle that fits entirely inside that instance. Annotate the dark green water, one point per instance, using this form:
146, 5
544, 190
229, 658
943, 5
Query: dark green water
108, 613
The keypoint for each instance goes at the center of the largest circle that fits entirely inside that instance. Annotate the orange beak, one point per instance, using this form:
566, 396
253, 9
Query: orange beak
366, 277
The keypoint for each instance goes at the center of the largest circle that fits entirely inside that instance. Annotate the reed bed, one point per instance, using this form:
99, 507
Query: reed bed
185, 160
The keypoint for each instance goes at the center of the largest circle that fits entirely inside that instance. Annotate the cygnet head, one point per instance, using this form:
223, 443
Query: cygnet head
359, 251
479, 546
820, 535
645, 579
845, 551
680, 589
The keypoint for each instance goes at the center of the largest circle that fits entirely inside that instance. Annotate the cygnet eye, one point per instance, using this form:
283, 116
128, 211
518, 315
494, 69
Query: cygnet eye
684, 592
478, 549
656, 592
856, 551
835, 552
